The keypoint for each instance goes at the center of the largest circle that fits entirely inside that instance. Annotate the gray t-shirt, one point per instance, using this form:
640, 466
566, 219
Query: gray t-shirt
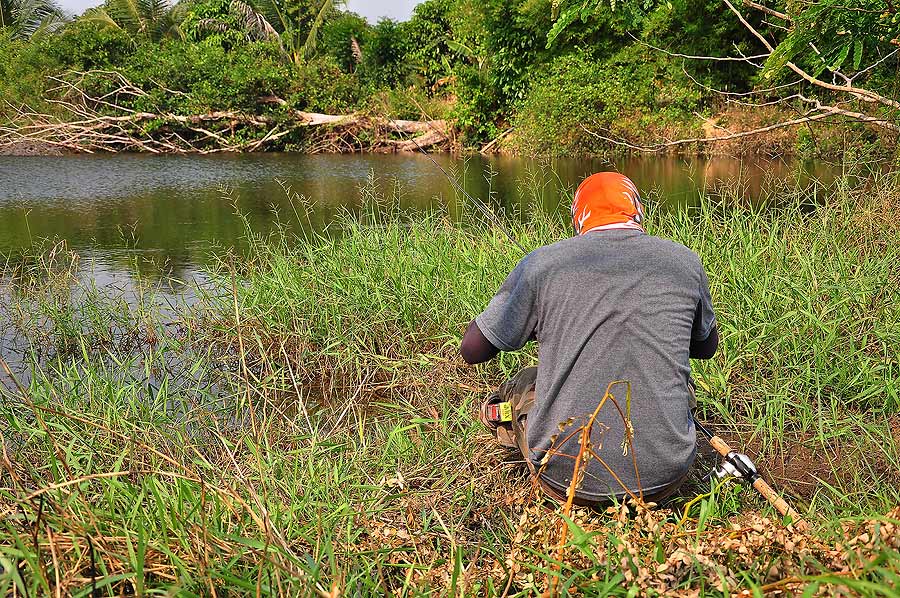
608, 305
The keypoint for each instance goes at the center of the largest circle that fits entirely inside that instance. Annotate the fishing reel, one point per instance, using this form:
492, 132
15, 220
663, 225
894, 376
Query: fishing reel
736, 465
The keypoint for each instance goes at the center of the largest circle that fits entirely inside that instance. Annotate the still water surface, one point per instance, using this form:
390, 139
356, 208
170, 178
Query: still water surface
161, 217
151, 222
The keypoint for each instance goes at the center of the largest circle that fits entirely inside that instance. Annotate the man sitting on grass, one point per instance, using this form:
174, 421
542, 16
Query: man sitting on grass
611, 303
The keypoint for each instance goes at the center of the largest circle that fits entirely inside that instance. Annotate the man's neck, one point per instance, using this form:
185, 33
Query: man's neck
630, 225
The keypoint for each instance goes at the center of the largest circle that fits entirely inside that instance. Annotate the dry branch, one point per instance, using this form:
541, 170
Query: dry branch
857, 92
868, 106
96, 124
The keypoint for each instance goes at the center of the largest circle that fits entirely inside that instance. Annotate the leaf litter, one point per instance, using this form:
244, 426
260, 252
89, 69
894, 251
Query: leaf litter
638, 547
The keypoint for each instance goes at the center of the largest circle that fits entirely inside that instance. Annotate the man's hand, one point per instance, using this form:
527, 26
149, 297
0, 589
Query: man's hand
475, 347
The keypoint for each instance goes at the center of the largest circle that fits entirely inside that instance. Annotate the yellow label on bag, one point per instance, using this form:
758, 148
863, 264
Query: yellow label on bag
506, 412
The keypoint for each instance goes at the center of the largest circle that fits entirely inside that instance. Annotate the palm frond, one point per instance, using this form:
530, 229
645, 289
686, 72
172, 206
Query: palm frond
25, 18
176, 32
127, 14
255, 24
273, 12
49, 25
212, 26
154, 11
309, 46
100, 17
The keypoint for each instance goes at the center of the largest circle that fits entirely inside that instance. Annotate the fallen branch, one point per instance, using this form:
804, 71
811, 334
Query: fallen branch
857, 92
490, 146
92, 124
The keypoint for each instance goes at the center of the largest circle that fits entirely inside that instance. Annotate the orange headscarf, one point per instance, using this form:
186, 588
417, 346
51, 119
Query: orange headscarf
606, 200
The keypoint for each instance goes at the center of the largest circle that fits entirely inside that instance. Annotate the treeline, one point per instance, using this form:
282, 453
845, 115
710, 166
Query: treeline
542, 76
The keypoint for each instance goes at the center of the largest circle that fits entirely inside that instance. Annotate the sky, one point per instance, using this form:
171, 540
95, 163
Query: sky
399, 10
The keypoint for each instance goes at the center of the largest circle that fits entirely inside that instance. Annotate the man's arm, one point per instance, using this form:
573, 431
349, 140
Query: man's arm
475, 347
706, 348
704, 332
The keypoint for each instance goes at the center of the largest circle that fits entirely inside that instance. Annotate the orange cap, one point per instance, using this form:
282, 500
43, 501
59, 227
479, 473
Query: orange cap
606, 198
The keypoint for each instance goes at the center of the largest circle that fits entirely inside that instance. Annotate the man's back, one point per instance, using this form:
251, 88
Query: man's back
606, 306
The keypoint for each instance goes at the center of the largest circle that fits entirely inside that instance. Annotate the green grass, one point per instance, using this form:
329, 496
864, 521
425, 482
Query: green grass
308, 427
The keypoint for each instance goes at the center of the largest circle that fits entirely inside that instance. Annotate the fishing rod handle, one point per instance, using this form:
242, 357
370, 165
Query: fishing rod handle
720, 445
779, 503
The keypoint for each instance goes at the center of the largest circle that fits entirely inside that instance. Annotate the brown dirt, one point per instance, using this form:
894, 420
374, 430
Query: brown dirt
800, 469
31, 148
895, 429
800, 465
778, 142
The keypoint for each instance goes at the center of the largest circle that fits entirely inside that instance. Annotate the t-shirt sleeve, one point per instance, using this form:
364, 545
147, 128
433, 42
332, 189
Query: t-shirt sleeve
705, 317
510, 319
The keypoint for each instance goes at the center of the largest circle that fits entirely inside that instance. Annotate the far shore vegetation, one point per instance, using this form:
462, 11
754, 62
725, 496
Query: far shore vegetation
307, 428
536, 77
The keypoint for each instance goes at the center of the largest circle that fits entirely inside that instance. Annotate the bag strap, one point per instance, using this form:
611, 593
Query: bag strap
520, 410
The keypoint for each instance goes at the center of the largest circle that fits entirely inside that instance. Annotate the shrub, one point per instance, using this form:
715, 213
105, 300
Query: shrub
633, 95
207, 77
83, 45
24, 68
478, 105
321, 86
413, 103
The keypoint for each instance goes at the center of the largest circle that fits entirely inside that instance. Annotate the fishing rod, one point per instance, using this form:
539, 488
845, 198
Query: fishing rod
739, 466
734, 464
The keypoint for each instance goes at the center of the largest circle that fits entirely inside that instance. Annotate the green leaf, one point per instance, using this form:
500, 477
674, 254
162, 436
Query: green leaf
565, 19
857, 54
841, 57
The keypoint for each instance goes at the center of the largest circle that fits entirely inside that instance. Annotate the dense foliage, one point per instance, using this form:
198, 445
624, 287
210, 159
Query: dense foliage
553, 70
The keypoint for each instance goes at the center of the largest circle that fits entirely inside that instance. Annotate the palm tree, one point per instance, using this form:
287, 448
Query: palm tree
154, 19
297, 22
26, 18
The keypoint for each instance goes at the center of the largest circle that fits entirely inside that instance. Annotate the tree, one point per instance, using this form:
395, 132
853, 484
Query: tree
298, 22
227, 23
384, 55
22, 19
343, 37
829, 56
153, 19
431, 42
821, 58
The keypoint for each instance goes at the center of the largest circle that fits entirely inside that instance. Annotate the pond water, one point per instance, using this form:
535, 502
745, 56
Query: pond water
141, 222
161, 217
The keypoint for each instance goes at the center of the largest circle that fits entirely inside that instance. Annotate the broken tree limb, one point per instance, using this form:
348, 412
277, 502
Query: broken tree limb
214, 132
429, 139
496, 141
106, 123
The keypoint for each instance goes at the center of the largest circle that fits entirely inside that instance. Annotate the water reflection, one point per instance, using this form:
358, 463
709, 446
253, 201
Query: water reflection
162, 216
144, 226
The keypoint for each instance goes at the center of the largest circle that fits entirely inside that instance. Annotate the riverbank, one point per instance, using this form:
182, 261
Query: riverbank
722, 133
308, 429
